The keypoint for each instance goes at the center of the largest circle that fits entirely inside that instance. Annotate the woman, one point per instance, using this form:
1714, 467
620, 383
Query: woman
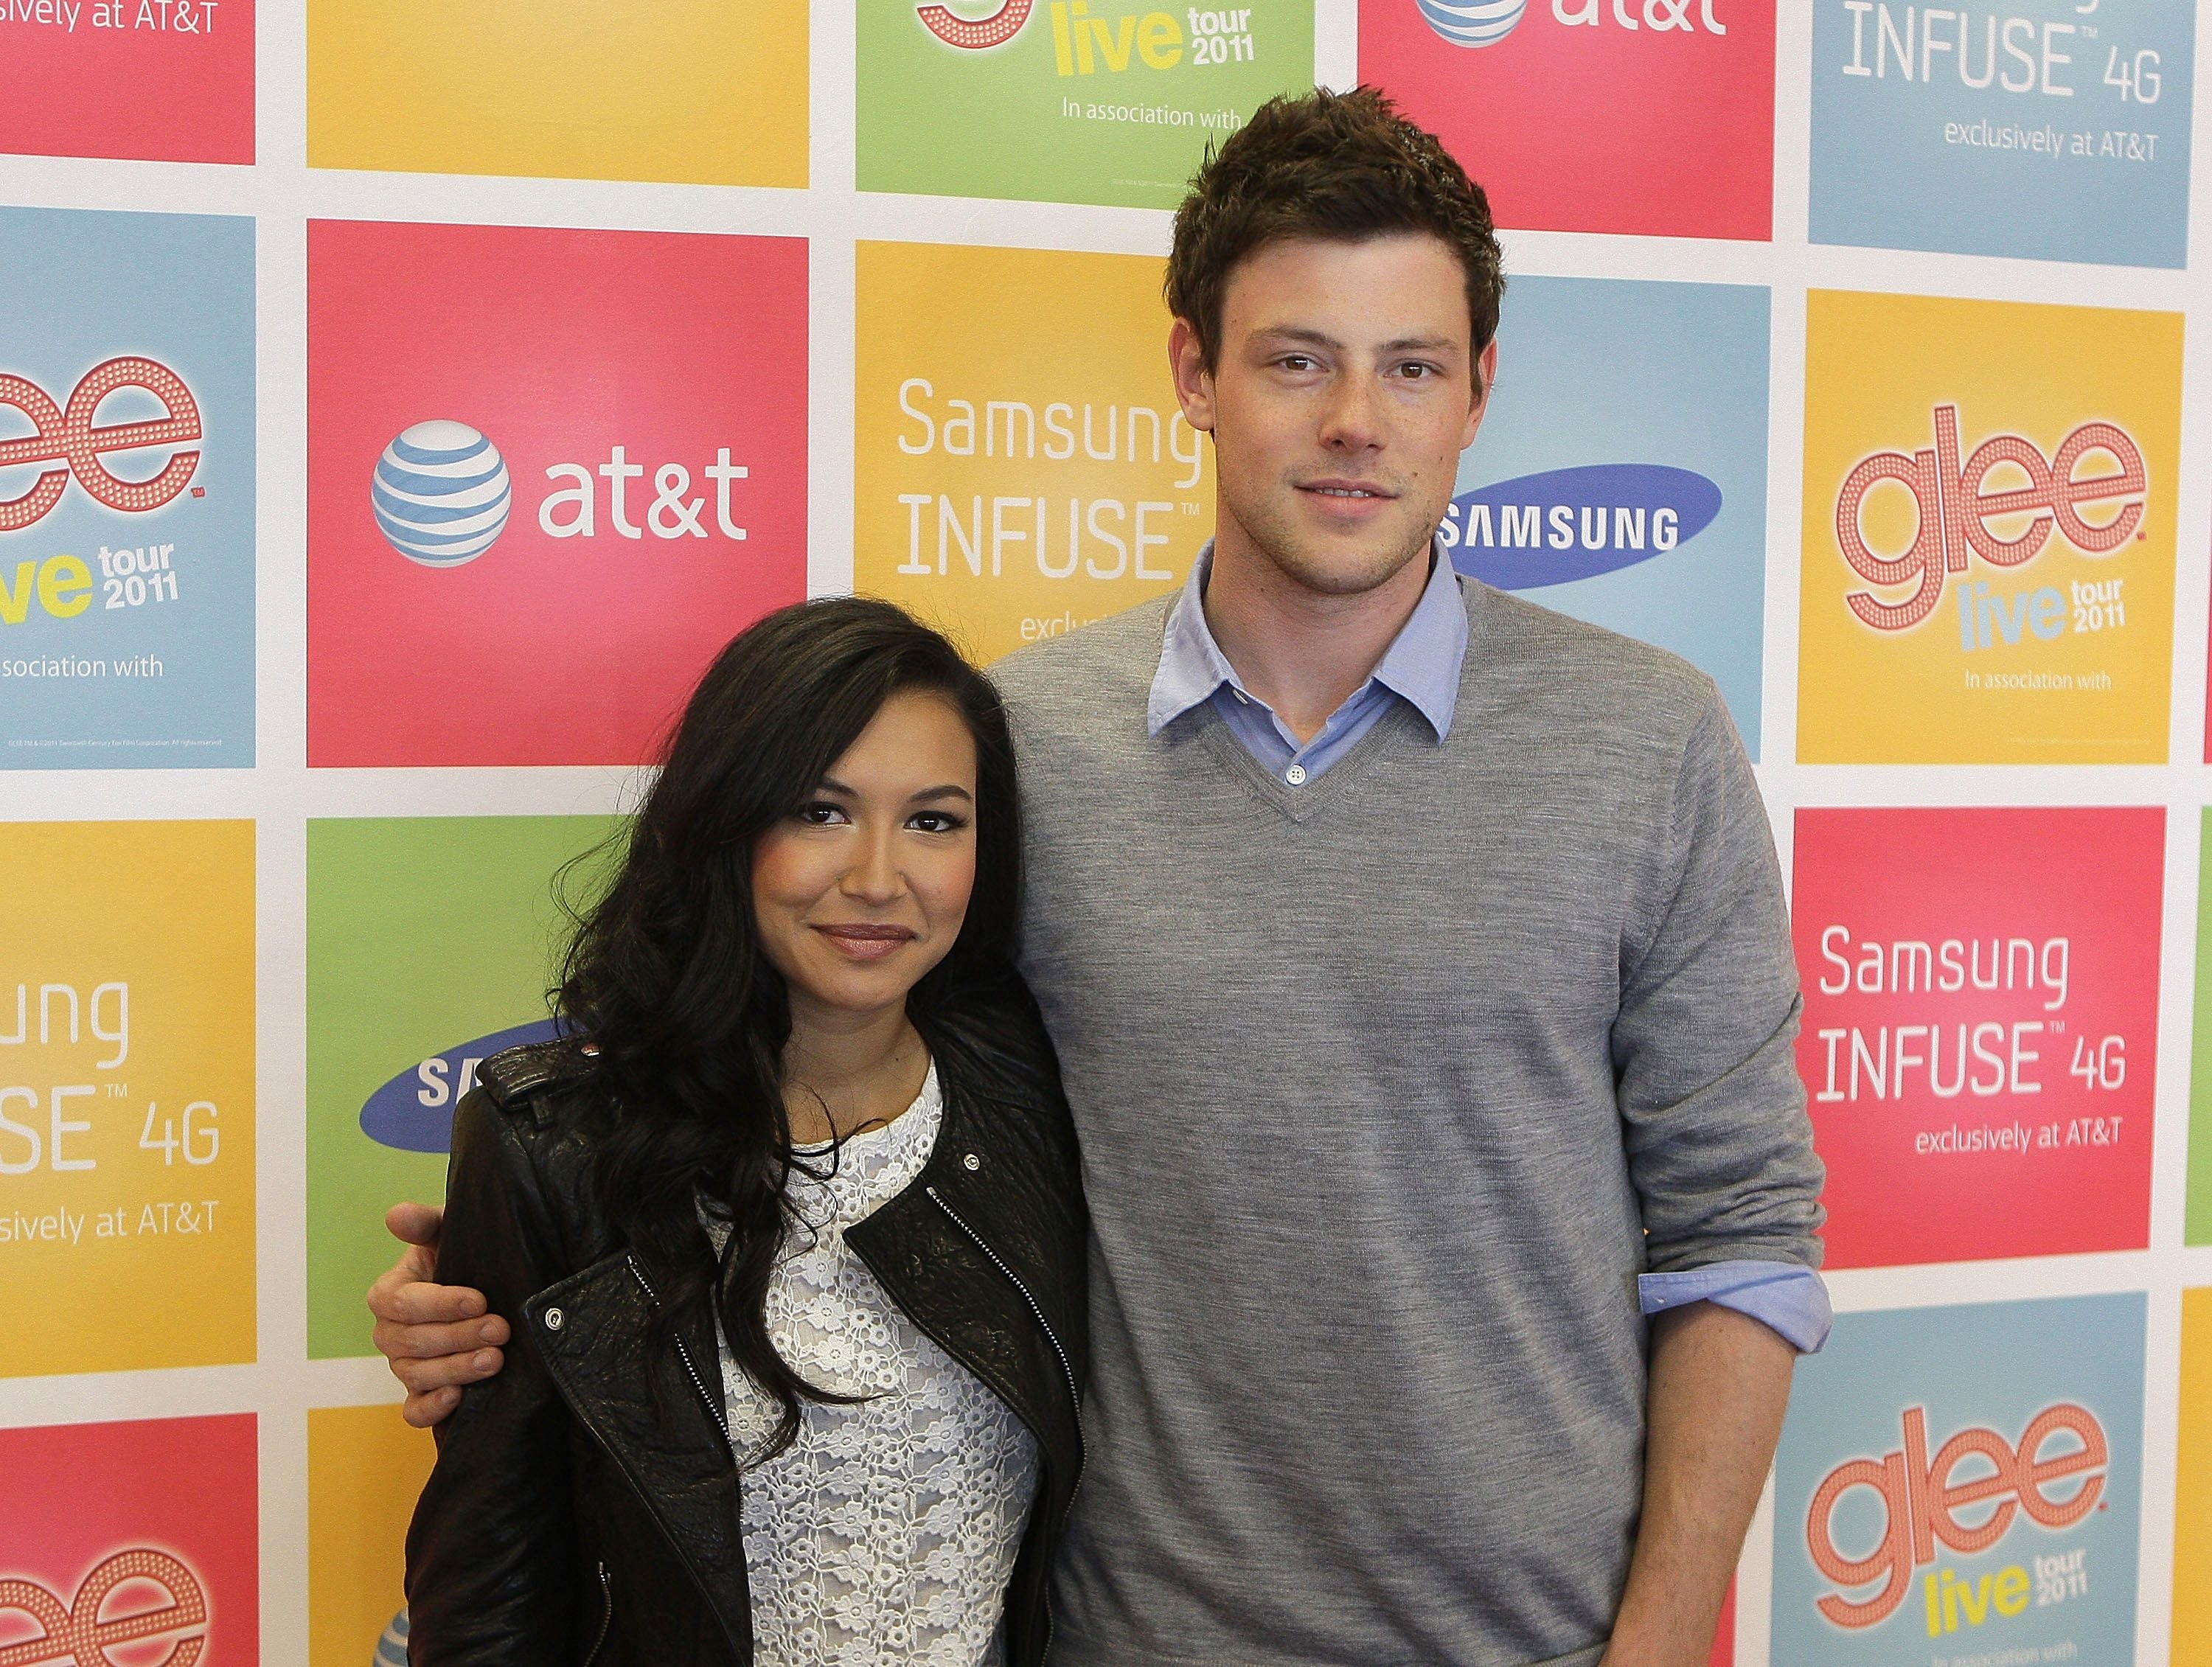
804, 1122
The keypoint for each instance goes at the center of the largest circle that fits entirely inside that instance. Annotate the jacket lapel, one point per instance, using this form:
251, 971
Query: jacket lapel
649, 1410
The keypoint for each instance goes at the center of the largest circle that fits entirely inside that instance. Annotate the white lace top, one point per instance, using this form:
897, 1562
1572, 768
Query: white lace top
884, 1536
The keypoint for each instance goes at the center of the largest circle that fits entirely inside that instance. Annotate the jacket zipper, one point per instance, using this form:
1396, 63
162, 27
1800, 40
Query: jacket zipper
715, 1408
1075, 1395
606, 1614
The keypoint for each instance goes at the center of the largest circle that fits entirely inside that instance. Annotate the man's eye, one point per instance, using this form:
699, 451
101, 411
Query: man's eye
1295, 362
1417, 373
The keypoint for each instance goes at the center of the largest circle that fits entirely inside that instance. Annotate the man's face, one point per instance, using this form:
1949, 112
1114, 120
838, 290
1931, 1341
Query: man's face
1341, 397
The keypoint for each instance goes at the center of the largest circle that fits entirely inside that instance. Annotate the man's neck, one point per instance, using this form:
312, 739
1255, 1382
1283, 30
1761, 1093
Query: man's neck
1302, 651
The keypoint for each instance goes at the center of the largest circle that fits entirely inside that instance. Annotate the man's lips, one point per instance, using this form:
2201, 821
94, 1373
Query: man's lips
866, 941
1347, 492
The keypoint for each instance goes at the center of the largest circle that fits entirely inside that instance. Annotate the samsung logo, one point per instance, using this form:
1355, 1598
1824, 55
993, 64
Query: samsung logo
1568, 524
414, 1111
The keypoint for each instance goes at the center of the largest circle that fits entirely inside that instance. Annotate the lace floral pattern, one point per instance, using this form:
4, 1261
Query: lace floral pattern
886, 1533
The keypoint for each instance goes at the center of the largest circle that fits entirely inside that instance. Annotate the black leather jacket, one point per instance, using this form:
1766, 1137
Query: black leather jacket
584, 1505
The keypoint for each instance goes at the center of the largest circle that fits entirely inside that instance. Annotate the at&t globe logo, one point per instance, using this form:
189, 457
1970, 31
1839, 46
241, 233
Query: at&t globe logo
1472, 22
441, 493
1486, 22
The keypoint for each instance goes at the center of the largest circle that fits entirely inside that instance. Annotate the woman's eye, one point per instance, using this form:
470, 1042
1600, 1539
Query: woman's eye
821, 814
936, 822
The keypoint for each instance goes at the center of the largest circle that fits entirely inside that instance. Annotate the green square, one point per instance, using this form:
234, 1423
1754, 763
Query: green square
422, 932
1106, 101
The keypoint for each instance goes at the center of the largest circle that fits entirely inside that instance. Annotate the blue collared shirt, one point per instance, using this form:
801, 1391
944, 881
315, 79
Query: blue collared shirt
1421, 668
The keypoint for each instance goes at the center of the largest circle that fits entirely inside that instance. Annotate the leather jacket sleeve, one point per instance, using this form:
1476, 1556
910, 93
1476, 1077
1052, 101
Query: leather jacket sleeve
494, 1568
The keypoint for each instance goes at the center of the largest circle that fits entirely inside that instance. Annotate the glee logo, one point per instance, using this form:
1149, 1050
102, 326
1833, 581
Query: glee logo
75, 1635
1955, 513
68, 435
1920, 1501
974, 34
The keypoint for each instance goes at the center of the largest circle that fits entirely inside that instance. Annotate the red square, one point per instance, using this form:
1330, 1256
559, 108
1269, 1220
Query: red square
1980, 1040
162, 81
1651, 116
155, 1523
550, 473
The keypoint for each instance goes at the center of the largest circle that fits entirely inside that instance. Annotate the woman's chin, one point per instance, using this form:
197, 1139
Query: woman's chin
855, 991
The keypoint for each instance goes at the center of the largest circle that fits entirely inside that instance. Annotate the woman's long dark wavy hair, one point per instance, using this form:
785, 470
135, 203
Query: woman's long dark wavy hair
666, 973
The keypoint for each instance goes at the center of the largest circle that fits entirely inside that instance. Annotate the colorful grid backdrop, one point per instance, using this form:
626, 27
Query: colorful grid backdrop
398, 404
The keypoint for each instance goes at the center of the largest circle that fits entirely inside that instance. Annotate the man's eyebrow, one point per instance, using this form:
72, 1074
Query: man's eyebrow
1309, 337
1422, 345
1293, 332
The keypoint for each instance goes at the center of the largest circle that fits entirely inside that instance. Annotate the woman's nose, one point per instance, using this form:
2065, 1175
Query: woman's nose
874, 875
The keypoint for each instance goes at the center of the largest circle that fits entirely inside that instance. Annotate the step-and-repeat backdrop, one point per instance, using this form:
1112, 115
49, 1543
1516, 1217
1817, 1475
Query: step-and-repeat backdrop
1848, 353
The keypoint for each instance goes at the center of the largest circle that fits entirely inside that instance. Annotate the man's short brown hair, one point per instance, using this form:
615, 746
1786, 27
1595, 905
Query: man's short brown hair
1344, 166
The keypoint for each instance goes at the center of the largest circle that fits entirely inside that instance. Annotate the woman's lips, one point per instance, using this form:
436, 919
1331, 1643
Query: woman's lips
865, 942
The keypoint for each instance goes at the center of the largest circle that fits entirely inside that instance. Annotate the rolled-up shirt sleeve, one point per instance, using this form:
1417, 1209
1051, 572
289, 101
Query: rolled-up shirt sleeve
1787, 1299
1712, 1112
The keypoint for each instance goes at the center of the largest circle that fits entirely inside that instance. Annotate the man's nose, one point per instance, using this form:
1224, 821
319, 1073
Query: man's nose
1353, 420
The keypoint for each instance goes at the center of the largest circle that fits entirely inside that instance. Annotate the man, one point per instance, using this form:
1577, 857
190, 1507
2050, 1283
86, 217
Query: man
1419, 968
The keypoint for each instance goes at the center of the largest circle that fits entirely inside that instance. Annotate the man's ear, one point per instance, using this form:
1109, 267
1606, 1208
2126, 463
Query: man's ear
1485, 367
1194, 382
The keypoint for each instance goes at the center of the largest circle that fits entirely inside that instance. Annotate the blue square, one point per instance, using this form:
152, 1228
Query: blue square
2029, 1416
2052, 130
126, 490
1620, 474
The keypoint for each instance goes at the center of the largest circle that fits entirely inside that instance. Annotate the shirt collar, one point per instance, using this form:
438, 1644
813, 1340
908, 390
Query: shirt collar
1421, 666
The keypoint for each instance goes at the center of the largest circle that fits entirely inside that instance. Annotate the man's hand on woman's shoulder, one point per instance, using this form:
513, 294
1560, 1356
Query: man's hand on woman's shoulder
435, 1337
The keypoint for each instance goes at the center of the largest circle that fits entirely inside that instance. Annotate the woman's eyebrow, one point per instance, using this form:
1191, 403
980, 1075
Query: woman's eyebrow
950, 790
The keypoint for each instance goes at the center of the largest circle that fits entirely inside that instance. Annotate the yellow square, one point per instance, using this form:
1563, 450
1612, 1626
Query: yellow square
2192, 1527
127, 1096
698, 92
1023, 468
1988, 531
364, 1468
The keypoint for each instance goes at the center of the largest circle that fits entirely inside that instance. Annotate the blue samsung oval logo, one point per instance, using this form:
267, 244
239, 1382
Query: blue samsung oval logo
1568, 524
414, 1111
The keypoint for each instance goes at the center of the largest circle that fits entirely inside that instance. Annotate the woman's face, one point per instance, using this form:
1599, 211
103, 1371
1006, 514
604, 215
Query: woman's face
863, 890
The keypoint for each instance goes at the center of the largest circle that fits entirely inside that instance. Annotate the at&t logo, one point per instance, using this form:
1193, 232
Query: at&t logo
66, 434
1958, 513
2056, 1475
1486, 22
73, 1635
442, 495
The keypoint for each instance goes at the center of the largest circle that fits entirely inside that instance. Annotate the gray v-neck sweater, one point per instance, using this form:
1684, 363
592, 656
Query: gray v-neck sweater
1388, 1087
